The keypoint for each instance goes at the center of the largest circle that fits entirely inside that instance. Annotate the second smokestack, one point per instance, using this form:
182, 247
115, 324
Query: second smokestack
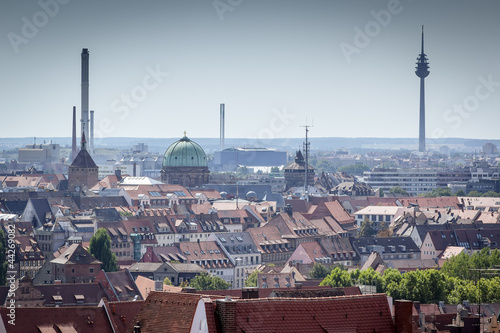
222, 120
85, 92
91, 150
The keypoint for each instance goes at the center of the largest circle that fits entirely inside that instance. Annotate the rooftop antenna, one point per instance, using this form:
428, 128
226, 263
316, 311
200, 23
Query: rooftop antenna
306, 151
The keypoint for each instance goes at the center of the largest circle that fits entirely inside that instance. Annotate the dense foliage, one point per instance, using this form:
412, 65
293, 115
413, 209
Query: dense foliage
355, 169
251, 280
458, 280
100, 248
319, 271
205, 281
366, 229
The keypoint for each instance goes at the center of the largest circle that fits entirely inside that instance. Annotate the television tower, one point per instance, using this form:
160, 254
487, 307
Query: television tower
422, 70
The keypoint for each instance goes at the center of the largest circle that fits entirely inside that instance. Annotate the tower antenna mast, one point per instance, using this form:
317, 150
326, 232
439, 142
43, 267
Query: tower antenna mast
306, 151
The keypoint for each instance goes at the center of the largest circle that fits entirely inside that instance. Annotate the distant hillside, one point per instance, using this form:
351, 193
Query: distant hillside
290, 144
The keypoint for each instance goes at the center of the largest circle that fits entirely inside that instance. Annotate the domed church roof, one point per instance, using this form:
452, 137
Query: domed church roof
184, 153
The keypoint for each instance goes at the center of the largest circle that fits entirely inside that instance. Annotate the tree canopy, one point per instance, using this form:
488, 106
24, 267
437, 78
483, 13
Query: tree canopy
455, 282
205, 281
100, 248
355, 169
366, 229
251, 280
319, 271
397, 190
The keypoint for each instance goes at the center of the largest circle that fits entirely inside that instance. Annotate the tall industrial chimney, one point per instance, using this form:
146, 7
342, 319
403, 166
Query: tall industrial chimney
91, 150
85, 92
222, 119
74, 151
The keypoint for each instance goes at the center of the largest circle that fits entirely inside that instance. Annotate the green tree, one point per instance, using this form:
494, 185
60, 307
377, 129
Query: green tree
474, 194
123, 213
242, 171
3, 258
397, 190
366, 229
425, 286
275, 169
355, 169
390, 282
439, 192
324, 165
205, 281
463, 289
251, 280
100, 248
167, 281
319, 271
337, 278
385, 231
460, 193
491, 194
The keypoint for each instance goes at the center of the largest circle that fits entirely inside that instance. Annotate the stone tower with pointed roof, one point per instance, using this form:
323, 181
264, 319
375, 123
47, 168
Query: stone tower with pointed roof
83, 172
295, 172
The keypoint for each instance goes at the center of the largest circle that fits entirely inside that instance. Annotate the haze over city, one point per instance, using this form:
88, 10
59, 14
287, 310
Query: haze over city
347, 67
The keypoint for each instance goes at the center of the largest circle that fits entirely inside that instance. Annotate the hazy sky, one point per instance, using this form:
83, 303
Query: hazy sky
158, 68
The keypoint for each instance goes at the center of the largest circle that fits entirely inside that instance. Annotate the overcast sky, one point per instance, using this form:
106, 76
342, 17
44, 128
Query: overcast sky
158, 68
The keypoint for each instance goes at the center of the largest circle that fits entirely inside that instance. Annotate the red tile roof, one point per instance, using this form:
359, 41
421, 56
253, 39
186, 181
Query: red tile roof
166, 312
329, 314
81, 319
121, 314
440, 202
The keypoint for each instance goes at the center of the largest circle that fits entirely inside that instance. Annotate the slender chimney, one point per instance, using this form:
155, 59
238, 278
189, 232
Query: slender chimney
91, 143
85, 92
222, 120
74, 151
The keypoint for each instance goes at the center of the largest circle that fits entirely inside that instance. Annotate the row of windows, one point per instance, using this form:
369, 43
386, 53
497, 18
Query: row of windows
31, 263
123, 254
120, 245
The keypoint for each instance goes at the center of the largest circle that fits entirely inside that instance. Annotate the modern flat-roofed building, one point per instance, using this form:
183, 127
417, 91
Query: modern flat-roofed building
413, 181
232, 158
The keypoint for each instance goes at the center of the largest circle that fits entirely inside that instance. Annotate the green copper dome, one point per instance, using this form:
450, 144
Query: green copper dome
185, 153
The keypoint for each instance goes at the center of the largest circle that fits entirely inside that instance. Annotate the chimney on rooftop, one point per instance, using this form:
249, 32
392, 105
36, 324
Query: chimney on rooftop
249, 293
289, 209
403, 316
225, 311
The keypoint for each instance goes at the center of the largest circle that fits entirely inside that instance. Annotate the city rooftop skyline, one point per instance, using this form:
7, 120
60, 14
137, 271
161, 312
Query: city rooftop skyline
347, 68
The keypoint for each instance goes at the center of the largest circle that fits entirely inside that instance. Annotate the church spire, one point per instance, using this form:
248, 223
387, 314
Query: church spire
83, 142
